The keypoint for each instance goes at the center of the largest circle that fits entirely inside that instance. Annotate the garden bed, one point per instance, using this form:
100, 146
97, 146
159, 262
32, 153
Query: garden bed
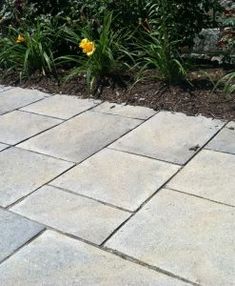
192, 99
103, 47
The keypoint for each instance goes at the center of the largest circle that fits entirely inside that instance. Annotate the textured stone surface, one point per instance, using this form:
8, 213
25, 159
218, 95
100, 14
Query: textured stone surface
72, 214
170, 137
4, 88
15, 231
82, 136
118, 178
187, 236
17, 126
207, 41
18, 97
209, 175
139, 112
61, 106
75, 263
3, 146
22, 172
225, 140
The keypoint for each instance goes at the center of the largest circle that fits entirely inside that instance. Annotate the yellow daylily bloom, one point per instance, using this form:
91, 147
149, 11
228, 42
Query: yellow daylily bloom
88, 47
20, 39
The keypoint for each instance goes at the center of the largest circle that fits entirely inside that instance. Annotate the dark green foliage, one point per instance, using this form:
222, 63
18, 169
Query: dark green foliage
186, 17
143, 33
34, 53
108, 60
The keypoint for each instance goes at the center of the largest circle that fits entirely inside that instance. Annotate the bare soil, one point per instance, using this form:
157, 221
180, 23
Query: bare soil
195, 98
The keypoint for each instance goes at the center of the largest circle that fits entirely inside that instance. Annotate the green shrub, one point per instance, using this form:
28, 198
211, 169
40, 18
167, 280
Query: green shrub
186, 17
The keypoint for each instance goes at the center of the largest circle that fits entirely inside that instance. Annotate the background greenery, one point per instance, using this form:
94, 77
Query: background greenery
129, 35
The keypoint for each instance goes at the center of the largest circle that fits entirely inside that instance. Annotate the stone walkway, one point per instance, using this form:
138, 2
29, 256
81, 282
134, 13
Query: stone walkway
95, 193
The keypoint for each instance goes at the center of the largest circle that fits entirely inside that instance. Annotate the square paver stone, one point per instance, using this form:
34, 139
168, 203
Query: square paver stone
22, 172
82, 136
225, 140
187, 236
210, 175
118, 178
139, 112
3, 146
18, 97
61, 106
15, 232
17, 126
72, 214
60, 260
170, 137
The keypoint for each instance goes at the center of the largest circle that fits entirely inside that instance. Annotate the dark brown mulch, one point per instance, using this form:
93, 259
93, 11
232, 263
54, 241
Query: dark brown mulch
193, 99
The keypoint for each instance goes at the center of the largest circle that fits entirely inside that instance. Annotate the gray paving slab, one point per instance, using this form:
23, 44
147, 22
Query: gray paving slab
53, 259
225, 140
22, 172
3, 146
182, 234
4, 88
118, 178
71, 214
139, 112
210, 175
15, 232
18, 97
82, 136
17, 126
170, 137
62, 106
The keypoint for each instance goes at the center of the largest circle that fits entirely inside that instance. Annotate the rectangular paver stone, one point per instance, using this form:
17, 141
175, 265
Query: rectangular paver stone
61, 106
72, 214
210, 175
225, 140
82, 136
59, 260
17, 126
15, 231
22, 172
170, 137
188, 236
18, 97
118, 178
139, 112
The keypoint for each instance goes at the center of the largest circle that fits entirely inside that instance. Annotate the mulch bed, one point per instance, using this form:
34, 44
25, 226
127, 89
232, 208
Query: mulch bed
192, 99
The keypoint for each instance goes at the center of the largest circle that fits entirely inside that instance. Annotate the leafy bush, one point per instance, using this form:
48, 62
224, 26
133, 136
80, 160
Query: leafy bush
186, 17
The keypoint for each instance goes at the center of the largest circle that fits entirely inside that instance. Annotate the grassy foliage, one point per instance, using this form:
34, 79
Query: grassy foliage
137, 34
229, 83
27, 51
108, 59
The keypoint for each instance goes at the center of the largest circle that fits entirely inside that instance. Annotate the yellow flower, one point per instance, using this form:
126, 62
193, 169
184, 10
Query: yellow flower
88, 47
20, 39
